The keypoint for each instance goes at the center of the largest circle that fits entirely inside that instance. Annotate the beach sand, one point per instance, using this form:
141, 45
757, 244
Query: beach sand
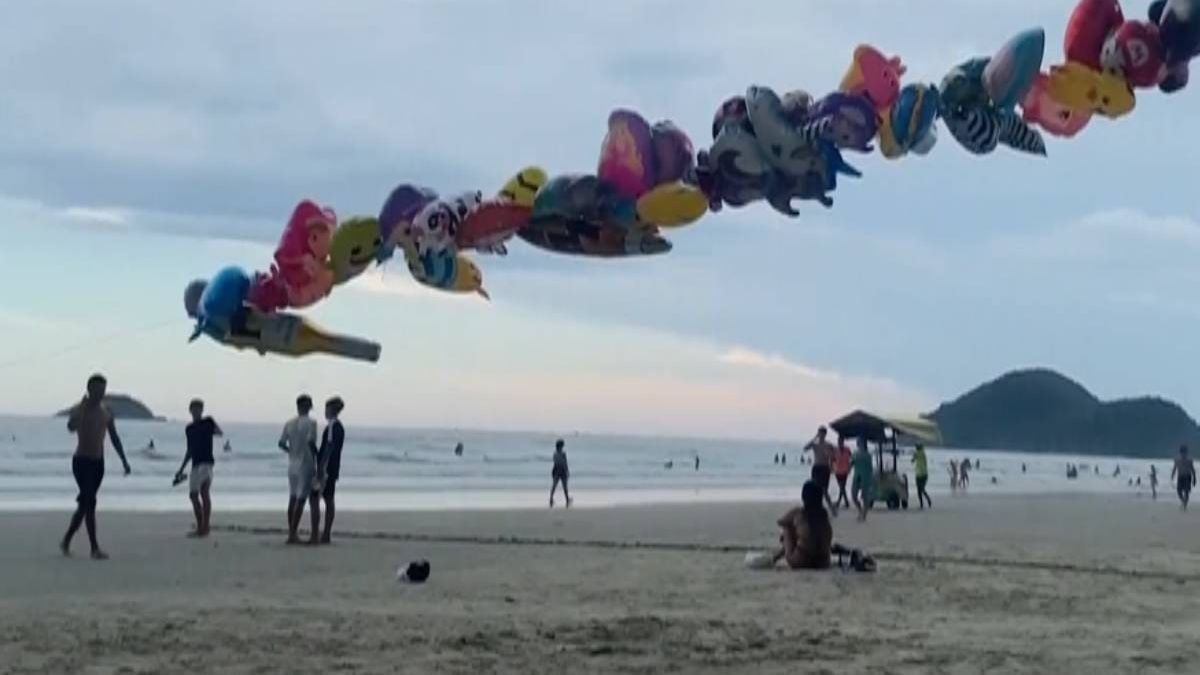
1006, 585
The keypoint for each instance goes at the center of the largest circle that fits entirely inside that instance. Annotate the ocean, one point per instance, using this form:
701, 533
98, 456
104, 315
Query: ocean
389, 469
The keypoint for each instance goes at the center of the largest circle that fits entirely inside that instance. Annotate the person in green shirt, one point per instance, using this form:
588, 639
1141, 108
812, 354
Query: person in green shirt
862, 490
921, 468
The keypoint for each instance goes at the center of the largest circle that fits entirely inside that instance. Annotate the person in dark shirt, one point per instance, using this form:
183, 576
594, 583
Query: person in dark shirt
199, 452
331, 459
560, 473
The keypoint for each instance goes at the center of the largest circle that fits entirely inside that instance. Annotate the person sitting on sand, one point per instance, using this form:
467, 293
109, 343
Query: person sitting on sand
862, 490
299, 441
841, 471
1184, 473
561, 473
199, 452
807, 537
90, 421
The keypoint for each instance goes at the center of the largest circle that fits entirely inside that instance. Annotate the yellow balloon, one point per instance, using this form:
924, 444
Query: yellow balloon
353, 248
672, 205
1080, 88
524, 186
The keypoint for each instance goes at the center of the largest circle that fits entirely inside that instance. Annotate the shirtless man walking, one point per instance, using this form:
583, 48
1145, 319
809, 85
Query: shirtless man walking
823, 453
90, 421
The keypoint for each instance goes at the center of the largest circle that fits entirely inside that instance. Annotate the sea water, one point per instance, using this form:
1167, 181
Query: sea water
385, 469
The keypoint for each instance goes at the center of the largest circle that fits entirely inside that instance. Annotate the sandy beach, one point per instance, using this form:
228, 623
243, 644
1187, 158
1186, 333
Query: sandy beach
997, 584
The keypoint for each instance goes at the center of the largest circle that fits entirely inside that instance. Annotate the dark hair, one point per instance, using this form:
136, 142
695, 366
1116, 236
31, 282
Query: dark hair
195, 403
335, 403
559, 444
96, 379
813, 499
822, 430
304, 401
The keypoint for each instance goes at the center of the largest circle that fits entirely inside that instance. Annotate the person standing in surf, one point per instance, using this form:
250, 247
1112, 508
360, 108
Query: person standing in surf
90, 421
1153, 482
199, 452
561, 473
1184, 474
331, 459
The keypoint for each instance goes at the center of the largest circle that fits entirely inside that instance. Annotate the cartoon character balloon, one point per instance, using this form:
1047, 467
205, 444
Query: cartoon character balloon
1178, 23
302, 257
355, 246
875, 76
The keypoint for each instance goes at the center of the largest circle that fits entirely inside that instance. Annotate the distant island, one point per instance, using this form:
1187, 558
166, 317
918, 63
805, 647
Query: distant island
1041, 410
123, 408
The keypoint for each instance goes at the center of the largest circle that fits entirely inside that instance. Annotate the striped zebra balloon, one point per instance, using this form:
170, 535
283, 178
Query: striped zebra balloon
980, 130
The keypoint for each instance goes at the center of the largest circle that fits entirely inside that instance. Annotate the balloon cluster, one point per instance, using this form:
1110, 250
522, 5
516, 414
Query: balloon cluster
765, 147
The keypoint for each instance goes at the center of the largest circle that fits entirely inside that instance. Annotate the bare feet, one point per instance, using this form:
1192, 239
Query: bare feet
65, 548
97, 554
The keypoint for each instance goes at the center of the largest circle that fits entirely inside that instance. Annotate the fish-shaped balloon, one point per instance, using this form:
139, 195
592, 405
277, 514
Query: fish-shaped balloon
910, 125
1009, 74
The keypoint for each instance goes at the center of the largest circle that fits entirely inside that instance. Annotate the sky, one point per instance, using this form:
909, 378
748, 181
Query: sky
146, 144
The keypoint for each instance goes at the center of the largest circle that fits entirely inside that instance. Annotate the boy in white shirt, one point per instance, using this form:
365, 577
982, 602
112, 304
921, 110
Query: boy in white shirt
299, 441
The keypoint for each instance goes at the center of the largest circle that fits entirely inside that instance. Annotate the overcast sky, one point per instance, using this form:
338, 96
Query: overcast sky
144, 144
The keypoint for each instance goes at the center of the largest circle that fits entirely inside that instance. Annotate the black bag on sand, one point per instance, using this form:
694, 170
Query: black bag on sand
859, 561
417, 572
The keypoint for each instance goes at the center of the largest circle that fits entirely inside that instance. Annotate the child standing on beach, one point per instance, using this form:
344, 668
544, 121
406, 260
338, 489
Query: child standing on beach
299, 441
199, 452
1184, 473
560, 473
331, 459
90, 421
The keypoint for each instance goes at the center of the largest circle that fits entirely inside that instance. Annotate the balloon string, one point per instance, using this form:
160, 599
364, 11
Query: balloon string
89, 343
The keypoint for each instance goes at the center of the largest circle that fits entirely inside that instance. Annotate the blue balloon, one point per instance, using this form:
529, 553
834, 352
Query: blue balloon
223, 297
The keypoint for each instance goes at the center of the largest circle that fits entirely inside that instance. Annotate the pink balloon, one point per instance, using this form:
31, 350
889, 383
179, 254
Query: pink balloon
627, 155
1058, 120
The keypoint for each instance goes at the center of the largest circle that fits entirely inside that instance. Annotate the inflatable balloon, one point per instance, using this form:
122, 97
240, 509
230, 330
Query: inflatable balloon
1178, 24
672, 205
911, 124
627, 155
1009, 74
580, 237
1134, 53
220, 299
1078, 87
583, 197
355, 246
674, 154
435, 227
875, 76
522, 188
1056, 119
302, 257
1091, 22
291, 335
849, 120
980, 122
402, 205
444, 270
492, 223
191, 297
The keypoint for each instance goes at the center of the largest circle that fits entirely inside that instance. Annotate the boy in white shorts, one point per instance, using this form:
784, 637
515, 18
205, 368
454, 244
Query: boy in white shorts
200, 435
299, 441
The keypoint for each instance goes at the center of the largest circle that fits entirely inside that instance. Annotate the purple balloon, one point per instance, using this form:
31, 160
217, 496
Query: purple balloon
402, 205
854, 121
674, 155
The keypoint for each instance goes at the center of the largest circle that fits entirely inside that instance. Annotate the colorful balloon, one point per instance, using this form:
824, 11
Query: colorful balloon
355, 246
911, 124
492, 223
1178, 24
522, 188
1134, 53
580, 237
401, 206
850, 120
875, 76
1009, 74
672, 205
220, 299
1041, 109
1080, 88
627, 155
302, 257
1091, 22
